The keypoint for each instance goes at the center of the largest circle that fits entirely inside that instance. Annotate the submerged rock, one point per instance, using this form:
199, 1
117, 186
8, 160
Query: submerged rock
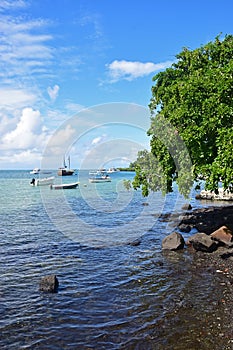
135, 243
49, 284
186, 206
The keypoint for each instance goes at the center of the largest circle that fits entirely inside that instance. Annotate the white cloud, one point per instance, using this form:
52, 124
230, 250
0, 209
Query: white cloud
28, 133
22, 47
53, 92
11, 4
73, 107
7, 123
128, 70
11, 98
55, 117
60, 141
98, 140
111, 151
24, 158
58, 146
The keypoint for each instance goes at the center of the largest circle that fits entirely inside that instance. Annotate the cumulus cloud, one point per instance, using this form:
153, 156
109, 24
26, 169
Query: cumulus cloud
128, 70
28, 133
23, 158
53, 92
60, 142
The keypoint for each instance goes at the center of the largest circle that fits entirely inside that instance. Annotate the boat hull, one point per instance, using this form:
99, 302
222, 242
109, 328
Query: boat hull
65, 172
65, 186
43, 182
93, 180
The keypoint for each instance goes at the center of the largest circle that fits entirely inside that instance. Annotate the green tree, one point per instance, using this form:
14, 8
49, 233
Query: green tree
191, 121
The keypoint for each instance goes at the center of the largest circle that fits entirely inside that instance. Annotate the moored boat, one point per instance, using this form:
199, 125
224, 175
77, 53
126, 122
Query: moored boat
35, 171
64, 171
64, 186
99, 176
43, 181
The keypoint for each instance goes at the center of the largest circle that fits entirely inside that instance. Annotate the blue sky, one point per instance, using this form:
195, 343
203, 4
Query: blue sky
78, 73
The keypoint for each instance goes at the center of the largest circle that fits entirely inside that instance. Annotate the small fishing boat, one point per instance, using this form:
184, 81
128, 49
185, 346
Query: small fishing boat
66, 186
64, 171
99, 176
35, 171
43, 181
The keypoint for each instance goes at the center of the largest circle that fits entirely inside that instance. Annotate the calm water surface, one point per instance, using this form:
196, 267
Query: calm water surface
112, 295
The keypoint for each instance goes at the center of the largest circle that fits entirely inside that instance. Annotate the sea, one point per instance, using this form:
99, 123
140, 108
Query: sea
117, 288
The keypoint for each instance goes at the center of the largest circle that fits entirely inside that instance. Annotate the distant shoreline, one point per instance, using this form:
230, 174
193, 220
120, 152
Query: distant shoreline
127, 169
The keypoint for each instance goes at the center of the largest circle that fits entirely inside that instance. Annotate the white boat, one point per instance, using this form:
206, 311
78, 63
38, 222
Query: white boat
43, 182
35, 171
64, 171
99, 176
64, 186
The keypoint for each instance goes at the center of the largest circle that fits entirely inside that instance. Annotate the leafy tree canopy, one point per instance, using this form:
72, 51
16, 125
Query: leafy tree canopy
191, 122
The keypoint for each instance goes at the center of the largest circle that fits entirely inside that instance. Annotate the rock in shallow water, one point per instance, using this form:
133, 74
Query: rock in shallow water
223, 235
202, 242
174, 241
49, 284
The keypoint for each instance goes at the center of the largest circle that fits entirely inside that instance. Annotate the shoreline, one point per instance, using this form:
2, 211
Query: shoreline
220, 262
207, 219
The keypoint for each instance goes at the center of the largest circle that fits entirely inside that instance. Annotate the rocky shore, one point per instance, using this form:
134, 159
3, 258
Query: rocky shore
219, 261
207, 219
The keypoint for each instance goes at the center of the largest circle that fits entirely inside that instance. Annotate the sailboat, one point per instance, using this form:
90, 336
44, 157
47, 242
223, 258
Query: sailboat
64, 171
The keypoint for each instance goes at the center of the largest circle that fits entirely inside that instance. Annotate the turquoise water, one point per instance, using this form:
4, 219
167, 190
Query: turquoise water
112, 295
